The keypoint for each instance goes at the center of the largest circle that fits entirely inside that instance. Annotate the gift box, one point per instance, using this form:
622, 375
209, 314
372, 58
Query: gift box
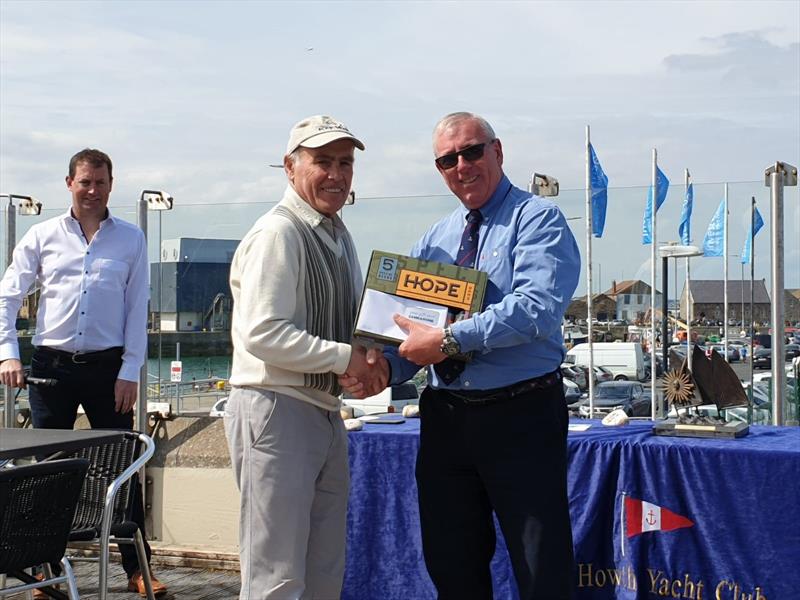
424, 291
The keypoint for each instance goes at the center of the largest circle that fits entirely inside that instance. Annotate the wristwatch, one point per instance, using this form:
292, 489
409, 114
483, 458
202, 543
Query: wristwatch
450, 345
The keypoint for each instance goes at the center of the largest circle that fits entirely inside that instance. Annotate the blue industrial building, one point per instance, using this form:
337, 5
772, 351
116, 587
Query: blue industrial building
195, 293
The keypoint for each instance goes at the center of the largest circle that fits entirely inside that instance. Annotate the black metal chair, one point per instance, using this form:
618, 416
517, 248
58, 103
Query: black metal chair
103, 514
37, 506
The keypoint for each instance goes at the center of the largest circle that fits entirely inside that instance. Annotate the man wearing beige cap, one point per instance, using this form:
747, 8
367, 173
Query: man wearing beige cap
295, 281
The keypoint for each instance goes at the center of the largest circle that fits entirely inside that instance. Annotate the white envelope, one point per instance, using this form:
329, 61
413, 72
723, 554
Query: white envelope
378, 308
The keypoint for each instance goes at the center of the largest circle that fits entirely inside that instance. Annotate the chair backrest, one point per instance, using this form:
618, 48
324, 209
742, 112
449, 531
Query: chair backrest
106, 463
37, 504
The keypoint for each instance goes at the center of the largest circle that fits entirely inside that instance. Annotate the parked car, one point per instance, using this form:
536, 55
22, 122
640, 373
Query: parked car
572, 393
659, 365
762, 339
218, 409
792, 350
390, 400
733, 352
623, 359
627, 395
762, 408
601, 374
575, 374
762, 358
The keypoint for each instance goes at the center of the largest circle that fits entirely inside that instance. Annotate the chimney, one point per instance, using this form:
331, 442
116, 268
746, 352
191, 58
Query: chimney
614, 287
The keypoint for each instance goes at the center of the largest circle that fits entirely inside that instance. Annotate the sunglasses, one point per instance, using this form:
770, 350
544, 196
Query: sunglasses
470, 154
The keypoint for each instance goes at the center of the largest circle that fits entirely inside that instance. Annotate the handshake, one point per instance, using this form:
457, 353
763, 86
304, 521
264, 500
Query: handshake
368, 371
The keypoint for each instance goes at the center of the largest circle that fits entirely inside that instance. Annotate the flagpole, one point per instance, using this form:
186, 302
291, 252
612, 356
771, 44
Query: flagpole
688, 294
589, 272
752, 319
653, 212
725, 274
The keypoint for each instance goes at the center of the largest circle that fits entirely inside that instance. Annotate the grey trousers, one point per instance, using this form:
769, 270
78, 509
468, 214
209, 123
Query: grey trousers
290, 463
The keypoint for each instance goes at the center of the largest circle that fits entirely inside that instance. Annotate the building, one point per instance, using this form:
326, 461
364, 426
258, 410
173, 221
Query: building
604, 308
708, 300
791, 306
195, 293
632, 299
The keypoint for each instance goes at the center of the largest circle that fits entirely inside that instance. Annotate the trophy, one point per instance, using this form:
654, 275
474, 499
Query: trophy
711, 381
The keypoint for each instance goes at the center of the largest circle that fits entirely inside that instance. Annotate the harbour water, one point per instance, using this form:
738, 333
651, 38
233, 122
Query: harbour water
195, 368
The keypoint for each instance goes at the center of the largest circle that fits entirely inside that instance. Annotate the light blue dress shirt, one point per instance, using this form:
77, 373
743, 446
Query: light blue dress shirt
533, 264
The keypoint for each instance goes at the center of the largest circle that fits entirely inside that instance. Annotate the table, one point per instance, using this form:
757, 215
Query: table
20, 443
728, 513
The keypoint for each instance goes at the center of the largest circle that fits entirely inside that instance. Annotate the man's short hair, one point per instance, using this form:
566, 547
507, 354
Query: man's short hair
96, 158
456, 117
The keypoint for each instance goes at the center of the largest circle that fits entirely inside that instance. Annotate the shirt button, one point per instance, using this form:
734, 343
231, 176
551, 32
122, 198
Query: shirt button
87, 272
84, 291
466, 384
494, 253
80, 333
83, 313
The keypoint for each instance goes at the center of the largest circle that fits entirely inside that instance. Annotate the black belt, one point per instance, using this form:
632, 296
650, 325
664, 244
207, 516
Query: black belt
82, 358
476, 397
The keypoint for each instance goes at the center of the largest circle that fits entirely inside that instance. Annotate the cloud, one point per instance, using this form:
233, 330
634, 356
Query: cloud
746, 58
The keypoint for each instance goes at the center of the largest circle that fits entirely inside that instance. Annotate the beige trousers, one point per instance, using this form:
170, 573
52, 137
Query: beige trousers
289, 459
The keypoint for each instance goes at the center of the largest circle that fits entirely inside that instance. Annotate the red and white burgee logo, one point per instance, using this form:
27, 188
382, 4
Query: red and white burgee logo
641, 517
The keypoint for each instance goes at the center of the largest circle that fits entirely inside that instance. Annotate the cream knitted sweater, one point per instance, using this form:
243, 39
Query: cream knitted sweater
295, 281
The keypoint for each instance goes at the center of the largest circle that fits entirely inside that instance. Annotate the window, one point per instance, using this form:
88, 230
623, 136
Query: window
639, 299
627, 299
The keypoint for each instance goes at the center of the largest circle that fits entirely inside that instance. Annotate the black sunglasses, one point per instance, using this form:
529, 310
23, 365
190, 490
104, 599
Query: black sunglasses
470, 153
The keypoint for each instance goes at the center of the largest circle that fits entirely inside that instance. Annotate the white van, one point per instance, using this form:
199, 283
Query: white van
390, 400
625, 360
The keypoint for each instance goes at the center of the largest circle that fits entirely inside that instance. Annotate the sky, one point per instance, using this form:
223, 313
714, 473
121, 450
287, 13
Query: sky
197, 98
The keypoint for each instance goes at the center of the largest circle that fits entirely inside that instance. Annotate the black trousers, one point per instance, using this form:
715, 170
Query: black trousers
509, 457
56, 407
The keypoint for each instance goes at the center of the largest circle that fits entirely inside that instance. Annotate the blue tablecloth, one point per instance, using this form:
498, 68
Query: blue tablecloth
721, 518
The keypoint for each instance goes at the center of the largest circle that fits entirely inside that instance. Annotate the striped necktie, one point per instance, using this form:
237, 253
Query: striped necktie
449, 369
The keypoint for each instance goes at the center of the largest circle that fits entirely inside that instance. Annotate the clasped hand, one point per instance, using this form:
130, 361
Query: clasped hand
367, 373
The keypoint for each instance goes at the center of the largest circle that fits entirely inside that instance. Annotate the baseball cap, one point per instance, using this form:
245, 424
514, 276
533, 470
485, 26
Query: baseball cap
316, 131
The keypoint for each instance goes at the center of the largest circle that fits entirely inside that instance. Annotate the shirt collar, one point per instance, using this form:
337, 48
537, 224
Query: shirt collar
68, 216
495, 200
305, 211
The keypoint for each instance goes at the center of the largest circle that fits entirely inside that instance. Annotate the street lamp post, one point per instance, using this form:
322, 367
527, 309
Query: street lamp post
27, 206
160, 201
676, 251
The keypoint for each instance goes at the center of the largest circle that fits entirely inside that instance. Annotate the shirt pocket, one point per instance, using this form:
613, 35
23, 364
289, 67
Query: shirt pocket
497, 264
108, 274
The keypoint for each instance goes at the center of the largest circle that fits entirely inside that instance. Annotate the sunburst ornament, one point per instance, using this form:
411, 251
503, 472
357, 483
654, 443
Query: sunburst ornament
678, 388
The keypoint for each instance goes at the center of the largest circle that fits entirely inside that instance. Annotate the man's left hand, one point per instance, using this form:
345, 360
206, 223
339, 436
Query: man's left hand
423, 344
125, 393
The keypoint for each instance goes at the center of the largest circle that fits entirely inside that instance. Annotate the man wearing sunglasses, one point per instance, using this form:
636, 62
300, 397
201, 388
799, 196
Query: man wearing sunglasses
493, 432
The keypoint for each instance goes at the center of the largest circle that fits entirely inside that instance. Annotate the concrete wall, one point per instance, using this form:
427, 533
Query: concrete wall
192, 499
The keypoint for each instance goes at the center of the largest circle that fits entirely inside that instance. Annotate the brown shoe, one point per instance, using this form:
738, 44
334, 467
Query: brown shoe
39, 594
136, 584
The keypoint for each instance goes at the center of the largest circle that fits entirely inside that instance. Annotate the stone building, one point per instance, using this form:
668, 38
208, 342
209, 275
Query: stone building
708, 300
604, 308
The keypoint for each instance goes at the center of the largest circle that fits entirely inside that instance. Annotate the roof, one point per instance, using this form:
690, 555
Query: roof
711, 291
629, 286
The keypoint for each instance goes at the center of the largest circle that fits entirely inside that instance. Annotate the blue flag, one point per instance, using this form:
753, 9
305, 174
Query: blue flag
714, 241
647, 224
758, 223
599, 187
685, 228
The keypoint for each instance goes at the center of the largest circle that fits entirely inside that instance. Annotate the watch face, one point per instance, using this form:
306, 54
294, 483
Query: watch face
450, 346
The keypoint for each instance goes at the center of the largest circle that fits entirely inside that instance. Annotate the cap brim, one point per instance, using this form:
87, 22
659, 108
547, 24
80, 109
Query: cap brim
321, 139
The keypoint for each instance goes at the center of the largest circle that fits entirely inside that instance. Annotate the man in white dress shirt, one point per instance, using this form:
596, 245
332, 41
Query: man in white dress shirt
91, 324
